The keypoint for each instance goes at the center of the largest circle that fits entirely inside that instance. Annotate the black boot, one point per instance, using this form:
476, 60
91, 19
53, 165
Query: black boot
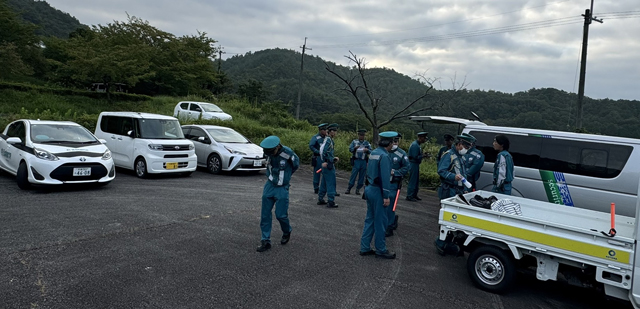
349, 191
332, 205
388, 232
322, 202
394, 225
285, 238
385, 255
357, 191
264, 246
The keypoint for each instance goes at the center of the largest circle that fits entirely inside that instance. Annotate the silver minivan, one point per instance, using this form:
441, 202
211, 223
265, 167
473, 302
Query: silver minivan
147, 143
573, 169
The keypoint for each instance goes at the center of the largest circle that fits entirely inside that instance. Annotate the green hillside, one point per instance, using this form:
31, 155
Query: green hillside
50, 21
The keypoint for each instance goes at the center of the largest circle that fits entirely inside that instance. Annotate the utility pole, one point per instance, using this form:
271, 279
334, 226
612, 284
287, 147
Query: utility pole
220, 52
304, 47
588, 17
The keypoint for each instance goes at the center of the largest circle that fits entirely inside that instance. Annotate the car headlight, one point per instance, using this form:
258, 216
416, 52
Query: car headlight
44, 155
191, 147
234, 151
155, 147
106, 155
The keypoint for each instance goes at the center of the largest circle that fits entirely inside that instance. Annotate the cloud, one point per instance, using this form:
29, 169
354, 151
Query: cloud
501, 45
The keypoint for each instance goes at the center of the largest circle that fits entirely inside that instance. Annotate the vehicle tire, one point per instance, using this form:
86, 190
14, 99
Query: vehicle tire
214, 164
491, 269
140, 168
22, 177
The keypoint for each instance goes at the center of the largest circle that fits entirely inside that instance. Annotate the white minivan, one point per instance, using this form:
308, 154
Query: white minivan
147, 143
572, 169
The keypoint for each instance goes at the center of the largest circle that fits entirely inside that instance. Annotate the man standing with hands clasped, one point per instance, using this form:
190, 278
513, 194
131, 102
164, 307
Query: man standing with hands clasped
360, 149
282, 162
328, 182
378, 193
314, 145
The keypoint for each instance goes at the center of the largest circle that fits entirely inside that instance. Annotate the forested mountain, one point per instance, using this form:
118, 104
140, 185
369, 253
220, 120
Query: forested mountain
50, 21
278, 70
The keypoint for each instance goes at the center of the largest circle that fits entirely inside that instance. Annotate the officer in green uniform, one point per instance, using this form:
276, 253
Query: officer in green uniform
378, 196
360, 149
314, 145
415, 158
282, 162
328, 182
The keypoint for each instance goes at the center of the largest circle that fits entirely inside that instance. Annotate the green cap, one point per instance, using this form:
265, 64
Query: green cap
322, 126
448, 137
422, 134
333, 127
362, 131
270, 142
388, 135
466, 138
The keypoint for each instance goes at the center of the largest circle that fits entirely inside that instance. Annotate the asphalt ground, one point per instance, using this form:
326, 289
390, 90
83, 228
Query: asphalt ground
172, 242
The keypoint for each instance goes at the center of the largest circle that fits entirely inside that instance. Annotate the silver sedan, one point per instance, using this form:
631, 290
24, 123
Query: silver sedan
223, 149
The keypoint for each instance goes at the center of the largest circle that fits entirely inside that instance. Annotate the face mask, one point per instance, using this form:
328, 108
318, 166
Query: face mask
463, 151
394, 147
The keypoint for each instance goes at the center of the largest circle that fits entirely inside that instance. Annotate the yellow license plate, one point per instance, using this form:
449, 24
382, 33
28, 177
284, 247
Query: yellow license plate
171, 166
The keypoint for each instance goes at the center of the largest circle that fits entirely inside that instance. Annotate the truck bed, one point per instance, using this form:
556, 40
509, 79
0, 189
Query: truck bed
556, 230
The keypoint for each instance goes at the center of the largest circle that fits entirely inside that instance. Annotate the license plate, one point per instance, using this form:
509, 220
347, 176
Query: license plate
257, 163
82, 171
171, 166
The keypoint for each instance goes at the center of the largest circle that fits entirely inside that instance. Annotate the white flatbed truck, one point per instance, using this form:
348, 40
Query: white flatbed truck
553, 239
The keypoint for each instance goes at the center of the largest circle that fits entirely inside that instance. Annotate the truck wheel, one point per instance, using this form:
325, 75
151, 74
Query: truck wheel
140, 168
22, 177
491, 269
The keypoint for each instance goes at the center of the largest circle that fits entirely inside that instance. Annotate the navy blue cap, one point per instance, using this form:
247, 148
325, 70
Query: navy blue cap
270, 142
333, 126
448, 137
421, 134
362, 131
388, 135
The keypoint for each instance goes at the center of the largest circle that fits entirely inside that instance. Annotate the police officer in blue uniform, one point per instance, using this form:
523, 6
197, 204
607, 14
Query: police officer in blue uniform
328, 182
282, 162
473, 162
314, 145
452, 169
503, 169
360, 149
378, 196
415, 158
448, 142
399, 168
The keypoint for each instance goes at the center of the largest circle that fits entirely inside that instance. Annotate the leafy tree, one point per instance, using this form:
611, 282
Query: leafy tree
18, 44
49, 21
253, 91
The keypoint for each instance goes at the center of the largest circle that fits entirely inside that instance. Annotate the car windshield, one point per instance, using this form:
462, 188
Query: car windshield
160, 129
212, 108
227, 136
61, 133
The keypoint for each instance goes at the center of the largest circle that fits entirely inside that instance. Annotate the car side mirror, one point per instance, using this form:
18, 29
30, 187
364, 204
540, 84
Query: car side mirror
130, 133
14, 140
201, 139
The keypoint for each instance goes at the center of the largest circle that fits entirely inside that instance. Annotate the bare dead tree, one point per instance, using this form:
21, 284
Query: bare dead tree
357, 83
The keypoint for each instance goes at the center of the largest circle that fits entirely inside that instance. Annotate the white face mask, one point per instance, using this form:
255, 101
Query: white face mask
394, 147
463, 151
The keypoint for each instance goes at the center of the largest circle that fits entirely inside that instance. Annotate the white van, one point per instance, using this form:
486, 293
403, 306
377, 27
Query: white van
573, 169
147, 143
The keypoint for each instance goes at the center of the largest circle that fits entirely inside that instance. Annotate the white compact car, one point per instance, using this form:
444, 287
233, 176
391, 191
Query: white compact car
196, 110
224, 149
53, 153
147, 143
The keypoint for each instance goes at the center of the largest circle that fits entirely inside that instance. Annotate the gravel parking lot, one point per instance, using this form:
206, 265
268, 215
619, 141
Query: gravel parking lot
172, 242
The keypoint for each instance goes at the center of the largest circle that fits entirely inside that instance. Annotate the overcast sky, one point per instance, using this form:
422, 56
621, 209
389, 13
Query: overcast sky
502, 45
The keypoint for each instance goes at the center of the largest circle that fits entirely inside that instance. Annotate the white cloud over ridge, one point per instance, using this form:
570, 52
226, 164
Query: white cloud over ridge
502, 45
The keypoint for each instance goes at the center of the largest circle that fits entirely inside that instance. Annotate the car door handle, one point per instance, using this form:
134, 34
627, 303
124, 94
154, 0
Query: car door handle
113, 137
